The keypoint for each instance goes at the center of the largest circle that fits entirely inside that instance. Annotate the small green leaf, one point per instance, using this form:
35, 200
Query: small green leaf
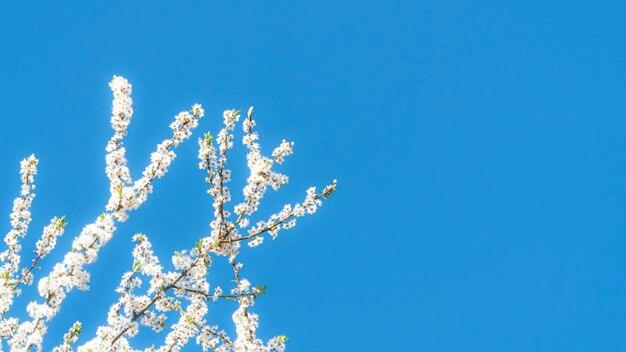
136, 266
61, 223
262, 289
208, 138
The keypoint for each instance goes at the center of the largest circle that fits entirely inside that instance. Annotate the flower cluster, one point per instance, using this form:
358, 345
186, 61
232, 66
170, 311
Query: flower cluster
122, 110
69, 338
261, 173
20, 219
183, 291
71, 273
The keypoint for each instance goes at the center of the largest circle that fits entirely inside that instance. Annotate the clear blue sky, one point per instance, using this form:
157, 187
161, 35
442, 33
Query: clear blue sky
480, 151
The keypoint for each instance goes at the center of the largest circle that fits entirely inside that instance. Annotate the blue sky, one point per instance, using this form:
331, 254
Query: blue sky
480, 152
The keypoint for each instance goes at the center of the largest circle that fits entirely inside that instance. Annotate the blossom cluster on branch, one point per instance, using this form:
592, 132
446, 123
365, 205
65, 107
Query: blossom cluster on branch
150, 296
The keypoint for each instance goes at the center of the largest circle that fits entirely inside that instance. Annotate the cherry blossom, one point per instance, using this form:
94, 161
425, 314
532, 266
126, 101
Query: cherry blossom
174, 296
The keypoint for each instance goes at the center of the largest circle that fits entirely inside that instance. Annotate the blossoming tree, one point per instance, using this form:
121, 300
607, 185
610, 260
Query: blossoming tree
183, 291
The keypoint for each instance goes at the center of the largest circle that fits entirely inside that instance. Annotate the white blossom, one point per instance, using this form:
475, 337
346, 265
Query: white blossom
20, 219
150, 294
